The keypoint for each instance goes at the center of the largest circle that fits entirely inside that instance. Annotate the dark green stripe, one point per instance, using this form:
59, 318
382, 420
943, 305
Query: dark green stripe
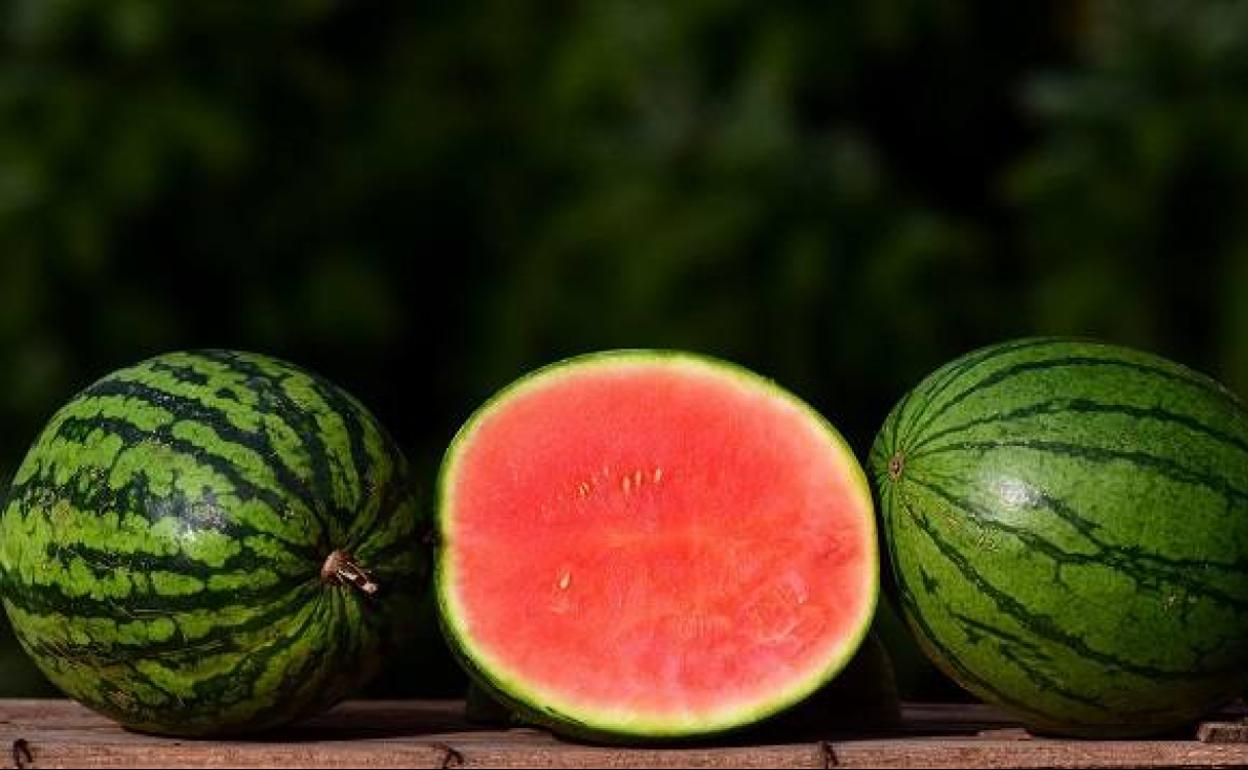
222, 690
896, 419
105, 560
1086, 406
222, 638
381, 552
52, 598
880, 450
215, 694
218, 421
348, 516
883, 447
132, 436
1147, 569
275, 402
179, 372
918, 622
999, 376
933, 390
1042, 626
352, 414
135, 497
343, 660
1159, 466
1009, 645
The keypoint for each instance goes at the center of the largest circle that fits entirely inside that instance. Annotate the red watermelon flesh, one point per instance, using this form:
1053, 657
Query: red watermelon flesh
653, 544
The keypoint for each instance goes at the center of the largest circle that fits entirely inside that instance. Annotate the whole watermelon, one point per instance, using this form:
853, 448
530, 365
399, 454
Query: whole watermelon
211, 542
1068, 527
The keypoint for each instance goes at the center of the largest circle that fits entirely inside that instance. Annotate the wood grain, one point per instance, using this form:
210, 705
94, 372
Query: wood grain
55, 733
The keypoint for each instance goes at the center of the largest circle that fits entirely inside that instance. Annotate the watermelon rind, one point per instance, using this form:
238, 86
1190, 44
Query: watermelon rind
530, 702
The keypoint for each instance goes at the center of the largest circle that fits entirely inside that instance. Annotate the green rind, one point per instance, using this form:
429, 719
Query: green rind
532, 707
1069, 532
161, 544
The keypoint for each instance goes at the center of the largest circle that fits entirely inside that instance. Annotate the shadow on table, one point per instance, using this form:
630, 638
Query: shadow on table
364, 720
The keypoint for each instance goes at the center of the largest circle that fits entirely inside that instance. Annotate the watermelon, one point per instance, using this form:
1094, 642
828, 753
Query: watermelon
211, 542
1067, 523
639, 545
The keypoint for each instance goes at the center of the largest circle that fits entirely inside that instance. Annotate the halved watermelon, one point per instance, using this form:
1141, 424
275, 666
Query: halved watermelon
651, 544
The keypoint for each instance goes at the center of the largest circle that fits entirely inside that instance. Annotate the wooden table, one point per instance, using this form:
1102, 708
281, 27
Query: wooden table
56, 733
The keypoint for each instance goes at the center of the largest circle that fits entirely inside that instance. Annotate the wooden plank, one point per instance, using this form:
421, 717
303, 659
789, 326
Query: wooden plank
1223, 732
1039, 753
55, 733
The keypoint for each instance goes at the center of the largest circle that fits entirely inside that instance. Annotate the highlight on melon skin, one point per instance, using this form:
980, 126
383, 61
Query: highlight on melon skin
652, 545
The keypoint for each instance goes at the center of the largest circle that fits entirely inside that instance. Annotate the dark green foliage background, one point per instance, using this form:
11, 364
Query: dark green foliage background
423, 200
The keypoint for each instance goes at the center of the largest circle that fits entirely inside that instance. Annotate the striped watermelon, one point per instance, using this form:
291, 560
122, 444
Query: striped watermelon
1068, 527
209, 543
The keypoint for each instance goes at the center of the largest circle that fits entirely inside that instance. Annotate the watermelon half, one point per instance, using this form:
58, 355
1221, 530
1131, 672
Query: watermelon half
650, 544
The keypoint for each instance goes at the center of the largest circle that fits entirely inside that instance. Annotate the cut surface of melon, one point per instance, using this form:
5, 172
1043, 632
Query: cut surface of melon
653, 543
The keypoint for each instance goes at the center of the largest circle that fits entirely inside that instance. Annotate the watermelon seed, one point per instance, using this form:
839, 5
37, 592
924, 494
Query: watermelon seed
658, 475
565, 579
340, 568
633, 482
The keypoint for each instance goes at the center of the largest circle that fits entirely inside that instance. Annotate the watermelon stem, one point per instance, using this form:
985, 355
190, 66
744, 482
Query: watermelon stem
896, 465
340, 568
